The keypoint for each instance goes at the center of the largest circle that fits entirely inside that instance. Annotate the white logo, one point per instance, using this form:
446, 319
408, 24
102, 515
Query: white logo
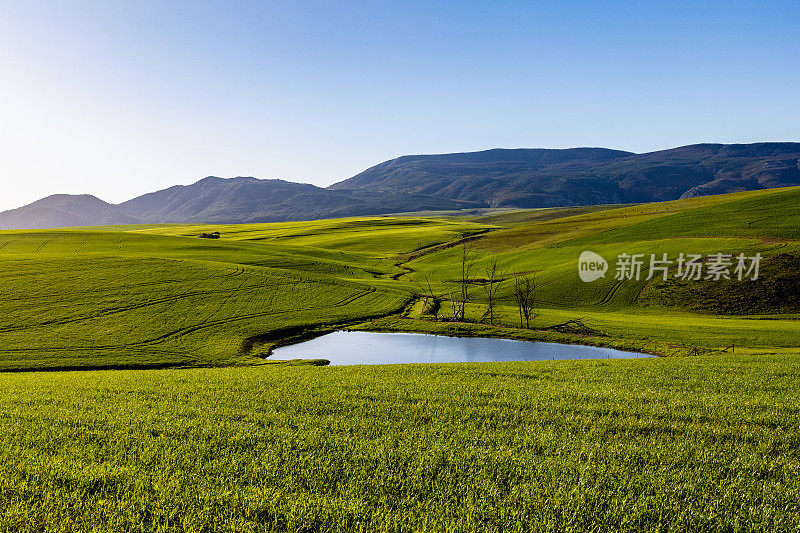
591, 266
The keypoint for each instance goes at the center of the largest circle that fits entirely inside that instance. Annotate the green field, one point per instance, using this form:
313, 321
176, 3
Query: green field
195, 429
672, 444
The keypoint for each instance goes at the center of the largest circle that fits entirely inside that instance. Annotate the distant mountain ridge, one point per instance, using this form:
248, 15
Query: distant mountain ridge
60, 210
522, 178
246, 199
583, 176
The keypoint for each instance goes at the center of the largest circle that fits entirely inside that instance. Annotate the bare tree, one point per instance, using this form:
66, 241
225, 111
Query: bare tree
493, 280
455, 307
525, 296
467, 262
459, 301
431, 302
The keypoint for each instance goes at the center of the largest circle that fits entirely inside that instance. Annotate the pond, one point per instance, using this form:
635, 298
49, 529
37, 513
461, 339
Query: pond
369, 348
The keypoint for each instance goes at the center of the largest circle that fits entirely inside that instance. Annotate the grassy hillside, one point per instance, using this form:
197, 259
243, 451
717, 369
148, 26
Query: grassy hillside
676, 444
149, 296
763, 222
84, 298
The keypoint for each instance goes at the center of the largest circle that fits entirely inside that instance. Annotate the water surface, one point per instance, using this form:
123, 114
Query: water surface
369, 348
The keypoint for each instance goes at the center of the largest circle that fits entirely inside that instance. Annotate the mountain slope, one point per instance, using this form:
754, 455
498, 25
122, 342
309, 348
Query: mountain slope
246, 199
60, 210
546, 178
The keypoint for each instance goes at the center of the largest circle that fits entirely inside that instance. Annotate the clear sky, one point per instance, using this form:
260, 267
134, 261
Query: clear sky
118, 98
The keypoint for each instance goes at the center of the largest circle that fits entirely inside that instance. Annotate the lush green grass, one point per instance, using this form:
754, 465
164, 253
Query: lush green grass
101, 299
767, 213
374, 236
153, 312
777, 290
677, 444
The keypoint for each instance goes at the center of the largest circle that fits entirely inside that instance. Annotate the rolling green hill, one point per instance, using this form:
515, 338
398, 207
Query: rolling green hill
154, 296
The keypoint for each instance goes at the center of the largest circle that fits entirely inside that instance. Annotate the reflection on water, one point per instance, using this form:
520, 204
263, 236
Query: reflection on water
368, 348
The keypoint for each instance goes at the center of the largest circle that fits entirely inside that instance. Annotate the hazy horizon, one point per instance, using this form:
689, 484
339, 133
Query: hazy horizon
119, 99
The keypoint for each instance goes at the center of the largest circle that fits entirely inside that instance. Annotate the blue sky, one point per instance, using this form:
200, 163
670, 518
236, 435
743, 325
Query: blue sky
120, 98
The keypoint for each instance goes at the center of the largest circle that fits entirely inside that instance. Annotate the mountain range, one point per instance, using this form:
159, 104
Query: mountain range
522, 178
